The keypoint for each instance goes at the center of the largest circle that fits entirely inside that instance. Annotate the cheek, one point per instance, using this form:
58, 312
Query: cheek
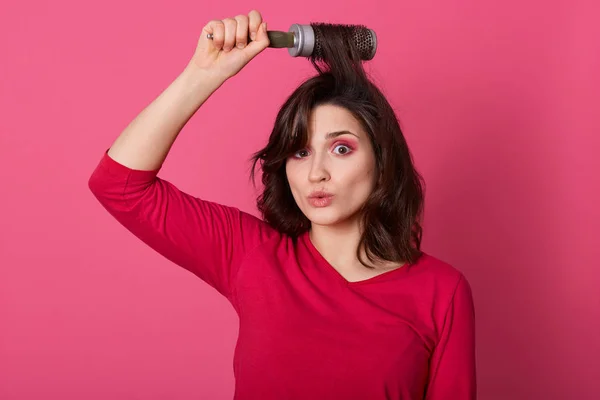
360, 184
362, 174
292, 178
289, 172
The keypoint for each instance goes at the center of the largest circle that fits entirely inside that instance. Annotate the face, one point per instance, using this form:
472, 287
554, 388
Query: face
338, 160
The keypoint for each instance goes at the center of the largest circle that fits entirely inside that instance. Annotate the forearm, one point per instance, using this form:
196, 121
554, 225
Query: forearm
146, 141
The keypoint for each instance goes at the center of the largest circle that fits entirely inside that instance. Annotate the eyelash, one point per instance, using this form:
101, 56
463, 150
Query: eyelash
350, 150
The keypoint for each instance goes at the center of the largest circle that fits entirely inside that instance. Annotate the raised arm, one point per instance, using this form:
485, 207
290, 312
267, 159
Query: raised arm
207, 238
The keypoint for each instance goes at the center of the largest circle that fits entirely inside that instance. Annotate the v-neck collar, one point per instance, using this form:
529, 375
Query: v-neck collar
384, 276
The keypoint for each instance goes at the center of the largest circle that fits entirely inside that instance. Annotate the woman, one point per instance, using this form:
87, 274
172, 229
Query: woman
335, 298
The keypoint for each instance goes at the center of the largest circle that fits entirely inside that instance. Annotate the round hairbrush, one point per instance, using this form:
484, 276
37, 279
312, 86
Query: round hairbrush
306, 40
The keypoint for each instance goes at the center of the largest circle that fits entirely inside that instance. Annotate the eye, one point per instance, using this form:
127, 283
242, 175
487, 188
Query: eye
301, 153
344, 149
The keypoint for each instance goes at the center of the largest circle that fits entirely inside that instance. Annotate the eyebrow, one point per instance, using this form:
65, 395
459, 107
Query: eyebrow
335, 134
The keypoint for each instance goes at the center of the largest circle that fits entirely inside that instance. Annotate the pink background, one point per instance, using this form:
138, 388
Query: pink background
499, 103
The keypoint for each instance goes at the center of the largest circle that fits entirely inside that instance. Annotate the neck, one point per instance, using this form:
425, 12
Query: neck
338, 243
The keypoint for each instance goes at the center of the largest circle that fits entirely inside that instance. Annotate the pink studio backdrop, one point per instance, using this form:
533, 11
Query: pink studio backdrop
498, 100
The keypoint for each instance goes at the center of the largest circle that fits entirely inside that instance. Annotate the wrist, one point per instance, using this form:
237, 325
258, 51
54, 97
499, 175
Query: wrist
196, 75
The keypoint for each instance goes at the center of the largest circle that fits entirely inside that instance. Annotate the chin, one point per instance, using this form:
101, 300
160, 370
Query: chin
324, 221
322, 216
327, 217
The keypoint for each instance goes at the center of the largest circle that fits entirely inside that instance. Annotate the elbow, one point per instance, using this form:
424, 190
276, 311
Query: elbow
96, 183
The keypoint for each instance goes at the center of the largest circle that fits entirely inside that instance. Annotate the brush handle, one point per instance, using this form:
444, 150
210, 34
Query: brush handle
277, 39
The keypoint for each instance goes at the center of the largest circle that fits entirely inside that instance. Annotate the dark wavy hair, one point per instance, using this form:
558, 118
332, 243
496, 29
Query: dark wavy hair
392, 213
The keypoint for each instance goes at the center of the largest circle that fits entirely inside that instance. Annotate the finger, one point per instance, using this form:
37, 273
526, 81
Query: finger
261, 42
217, 29
262, 34
254, 21
230, 29
241, 38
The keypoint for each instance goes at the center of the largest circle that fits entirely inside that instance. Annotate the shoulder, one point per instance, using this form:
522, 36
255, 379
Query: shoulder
444, 290
443, 278
253, 226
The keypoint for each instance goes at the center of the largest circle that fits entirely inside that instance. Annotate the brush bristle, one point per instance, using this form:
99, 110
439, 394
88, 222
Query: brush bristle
357, 38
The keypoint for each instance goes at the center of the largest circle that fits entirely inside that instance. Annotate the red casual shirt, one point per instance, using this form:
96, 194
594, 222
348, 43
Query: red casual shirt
305, 331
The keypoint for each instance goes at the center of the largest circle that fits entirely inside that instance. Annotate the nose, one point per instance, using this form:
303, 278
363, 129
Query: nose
318, 169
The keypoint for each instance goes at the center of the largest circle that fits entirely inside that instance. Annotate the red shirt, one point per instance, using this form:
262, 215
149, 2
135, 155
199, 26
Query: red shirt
305, 331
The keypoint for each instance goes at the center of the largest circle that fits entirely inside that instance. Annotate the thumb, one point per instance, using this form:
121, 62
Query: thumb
260, 43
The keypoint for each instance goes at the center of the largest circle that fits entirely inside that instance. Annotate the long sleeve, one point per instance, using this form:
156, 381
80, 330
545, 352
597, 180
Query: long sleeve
452, 374
206, 238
